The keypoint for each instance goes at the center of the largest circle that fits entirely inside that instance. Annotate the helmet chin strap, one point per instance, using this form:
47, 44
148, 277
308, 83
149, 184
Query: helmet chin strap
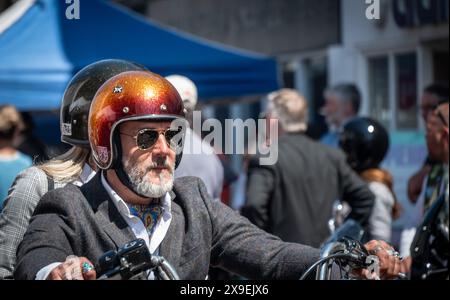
119, 168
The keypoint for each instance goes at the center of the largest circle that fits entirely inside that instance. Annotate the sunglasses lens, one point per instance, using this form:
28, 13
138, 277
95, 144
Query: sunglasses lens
147, 138
171, 133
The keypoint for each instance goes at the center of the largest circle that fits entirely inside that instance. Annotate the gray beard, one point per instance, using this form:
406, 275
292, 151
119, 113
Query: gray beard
145, 187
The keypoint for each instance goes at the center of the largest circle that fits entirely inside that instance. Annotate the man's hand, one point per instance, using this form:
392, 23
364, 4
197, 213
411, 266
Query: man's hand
390, 264
74, 268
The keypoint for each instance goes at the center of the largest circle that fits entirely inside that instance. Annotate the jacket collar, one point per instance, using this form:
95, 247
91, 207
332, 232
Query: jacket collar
112, 222
106, 213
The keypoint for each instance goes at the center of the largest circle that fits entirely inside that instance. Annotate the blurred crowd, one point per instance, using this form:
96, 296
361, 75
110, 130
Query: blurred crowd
311, 190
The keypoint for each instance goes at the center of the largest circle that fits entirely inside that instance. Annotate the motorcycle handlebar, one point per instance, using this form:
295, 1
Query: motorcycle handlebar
346, 250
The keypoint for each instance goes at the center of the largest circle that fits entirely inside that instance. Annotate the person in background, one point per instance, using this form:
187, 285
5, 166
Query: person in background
198, 158
430, 247
293, 198
432, 95
428, 256
437, 137
29, 143
342, 103
431, 176
75, 166
12, 161
366, 142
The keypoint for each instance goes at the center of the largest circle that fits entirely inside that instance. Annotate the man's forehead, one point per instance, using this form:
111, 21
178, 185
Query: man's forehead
136, 125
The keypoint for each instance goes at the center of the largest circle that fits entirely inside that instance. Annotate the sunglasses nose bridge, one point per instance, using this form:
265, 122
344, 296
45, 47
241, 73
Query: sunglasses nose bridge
161, 144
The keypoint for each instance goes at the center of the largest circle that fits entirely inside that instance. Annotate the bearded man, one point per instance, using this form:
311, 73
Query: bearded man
136, 137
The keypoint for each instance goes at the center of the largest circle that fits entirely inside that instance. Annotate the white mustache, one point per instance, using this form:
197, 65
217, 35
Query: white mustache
160, 164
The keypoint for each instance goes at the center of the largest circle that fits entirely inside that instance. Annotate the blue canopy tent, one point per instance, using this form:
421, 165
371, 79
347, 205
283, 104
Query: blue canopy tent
41, 50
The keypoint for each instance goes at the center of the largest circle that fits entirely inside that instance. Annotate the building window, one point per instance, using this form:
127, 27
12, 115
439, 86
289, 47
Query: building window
379, 89
406, 95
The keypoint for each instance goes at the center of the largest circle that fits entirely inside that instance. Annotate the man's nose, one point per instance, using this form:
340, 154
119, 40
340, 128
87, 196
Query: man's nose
161, 146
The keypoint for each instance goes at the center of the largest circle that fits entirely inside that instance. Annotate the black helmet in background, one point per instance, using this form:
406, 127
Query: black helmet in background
79, 93
365, 141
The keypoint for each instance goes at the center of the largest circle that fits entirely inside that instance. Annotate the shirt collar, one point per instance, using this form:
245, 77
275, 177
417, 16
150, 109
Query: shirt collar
86, 174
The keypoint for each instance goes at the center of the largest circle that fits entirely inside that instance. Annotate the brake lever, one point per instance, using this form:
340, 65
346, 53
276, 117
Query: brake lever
358, 254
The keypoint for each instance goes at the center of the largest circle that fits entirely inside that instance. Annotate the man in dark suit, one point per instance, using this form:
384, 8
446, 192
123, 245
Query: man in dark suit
293, 198
137, 146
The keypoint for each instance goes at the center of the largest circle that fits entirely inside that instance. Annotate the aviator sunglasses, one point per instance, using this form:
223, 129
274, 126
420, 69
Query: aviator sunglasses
147, 138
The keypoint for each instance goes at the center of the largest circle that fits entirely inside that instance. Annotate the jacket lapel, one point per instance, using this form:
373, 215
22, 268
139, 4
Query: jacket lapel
106, 213
108, 217
172, 244
113, 224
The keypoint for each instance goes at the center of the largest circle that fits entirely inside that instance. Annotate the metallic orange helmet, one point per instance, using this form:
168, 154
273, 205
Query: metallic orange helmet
129, 96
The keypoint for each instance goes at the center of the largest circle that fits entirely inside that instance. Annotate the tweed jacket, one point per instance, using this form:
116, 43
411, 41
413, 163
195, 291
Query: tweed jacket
85, 222
23, 196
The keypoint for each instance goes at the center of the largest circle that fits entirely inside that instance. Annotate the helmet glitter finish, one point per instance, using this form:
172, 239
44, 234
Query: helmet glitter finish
365, 141
78, 96
130, 96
